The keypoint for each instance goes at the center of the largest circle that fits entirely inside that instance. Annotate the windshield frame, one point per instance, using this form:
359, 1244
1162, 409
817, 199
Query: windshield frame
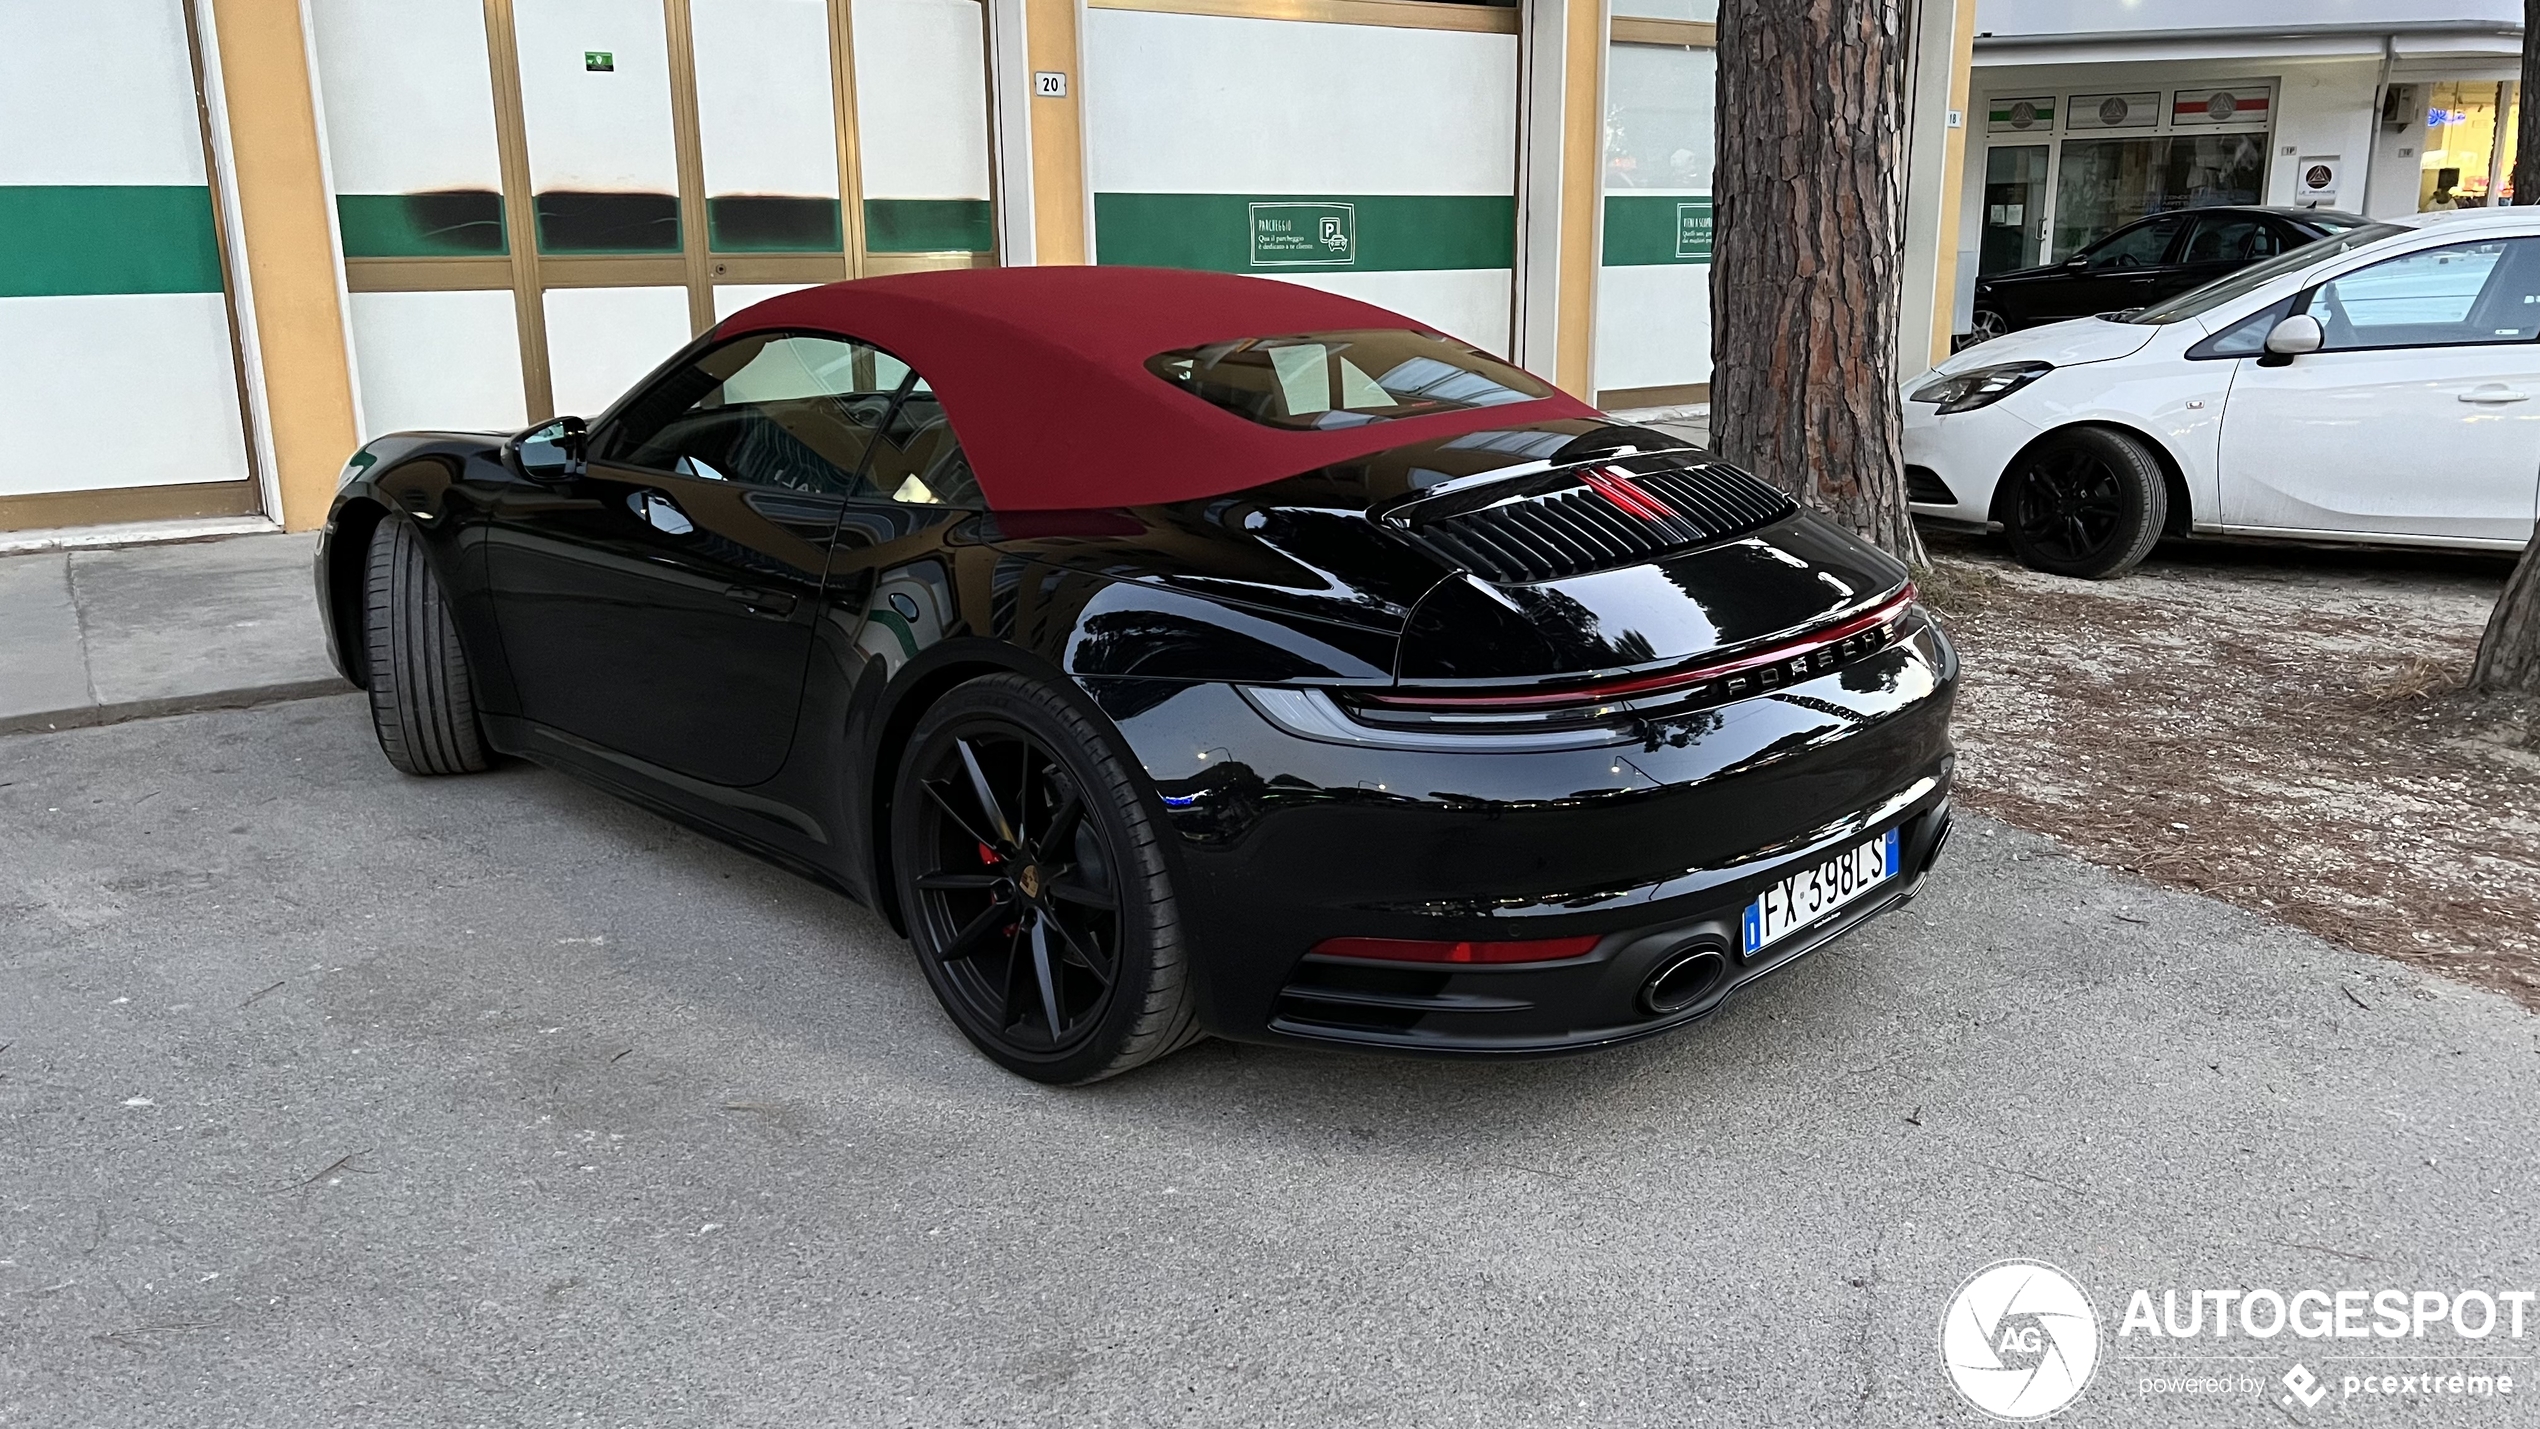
2196, 302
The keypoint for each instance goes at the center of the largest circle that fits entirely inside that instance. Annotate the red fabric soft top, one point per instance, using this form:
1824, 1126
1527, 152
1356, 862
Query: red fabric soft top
1043, 373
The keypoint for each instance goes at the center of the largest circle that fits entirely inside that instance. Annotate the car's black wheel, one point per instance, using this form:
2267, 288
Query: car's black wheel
1035, 886
2089, 502
1986, 325
422, 701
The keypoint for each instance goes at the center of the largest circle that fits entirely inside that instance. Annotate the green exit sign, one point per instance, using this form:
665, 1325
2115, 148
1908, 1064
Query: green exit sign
599, 61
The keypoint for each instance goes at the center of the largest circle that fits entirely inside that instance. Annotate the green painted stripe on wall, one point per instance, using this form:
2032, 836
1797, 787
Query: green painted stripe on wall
71, 240
1307, 233
457, 224
1643, 230
929, 225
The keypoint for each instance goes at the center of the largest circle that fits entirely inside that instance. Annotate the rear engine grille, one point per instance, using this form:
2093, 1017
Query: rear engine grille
1642, 700
1611, 518
1924, 485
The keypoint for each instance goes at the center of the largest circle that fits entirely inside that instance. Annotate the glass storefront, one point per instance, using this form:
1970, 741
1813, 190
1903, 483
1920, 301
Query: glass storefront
2065, 170
2106, 184
2014, 208
2467, 151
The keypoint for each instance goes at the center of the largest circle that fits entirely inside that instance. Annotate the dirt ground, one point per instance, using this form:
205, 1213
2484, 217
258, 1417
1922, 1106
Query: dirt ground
2280, 728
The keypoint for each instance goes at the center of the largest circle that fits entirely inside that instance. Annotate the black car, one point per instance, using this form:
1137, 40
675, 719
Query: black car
1255, 662
2145, 261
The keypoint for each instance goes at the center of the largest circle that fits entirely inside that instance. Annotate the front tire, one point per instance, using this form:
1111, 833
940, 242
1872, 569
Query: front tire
2088, 502
422, 698
1035, 886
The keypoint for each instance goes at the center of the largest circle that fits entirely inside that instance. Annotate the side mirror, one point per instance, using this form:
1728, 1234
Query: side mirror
552, 452
2295, 335
2076, 264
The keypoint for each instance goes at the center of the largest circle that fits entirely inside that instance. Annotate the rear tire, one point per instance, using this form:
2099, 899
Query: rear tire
1986, 325
2088, 502
1035, 886
422, 698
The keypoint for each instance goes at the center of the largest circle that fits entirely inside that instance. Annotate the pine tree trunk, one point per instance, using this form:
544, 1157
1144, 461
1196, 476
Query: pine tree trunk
2509, 653
1806, 281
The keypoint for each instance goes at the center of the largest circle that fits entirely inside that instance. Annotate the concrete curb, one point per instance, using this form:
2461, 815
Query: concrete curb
89, 716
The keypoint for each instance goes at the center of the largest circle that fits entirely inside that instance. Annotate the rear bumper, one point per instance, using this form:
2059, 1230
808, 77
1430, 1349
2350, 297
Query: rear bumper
1600, 1000
1656, 847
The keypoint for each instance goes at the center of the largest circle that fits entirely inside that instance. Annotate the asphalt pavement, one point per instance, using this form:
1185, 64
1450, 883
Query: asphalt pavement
332, 1096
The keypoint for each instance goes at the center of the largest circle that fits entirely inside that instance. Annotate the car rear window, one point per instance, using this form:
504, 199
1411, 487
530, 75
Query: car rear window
1322, 380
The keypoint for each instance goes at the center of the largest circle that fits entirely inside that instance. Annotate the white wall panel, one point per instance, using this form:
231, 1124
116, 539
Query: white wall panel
409, 95
438, 361
1653, 325
2325, 109
596, 131
79, 369
1212, 104
730, 298
1468, 303
765, 113
600, 340
97, 92
921, 73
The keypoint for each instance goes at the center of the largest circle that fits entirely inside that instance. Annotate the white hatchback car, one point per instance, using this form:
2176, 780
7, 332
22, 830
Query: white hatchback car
2376, 386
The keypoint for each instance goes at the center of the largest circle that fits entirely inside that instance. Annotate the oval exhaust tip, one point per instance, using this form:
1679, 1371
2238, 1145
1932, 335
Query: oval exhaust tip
1683, 980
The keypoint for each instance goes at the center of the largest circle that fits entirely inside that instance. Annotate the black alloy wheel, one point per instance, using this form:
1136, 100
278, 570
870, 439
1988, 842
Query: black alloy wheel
1035, 888
2087, 502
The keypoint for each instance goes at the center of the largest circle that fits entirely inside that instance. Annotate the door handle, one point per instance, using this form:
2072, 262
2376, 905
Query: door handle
773, 603
2494, 393
661, 513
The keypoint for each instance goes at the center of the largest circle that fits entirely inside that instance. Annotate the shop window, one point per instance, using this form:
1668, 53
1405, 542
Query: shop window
2465, 147
2106, 184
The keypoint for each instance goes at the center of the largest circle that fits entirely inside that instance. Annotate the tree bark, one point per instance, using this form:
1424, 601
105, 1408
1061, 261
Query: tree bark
2509, 653
1808, 245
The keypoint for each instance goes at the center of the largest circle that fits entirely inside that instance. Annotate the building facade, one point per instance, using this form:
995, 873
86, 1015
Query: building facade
2086, 116
237, 237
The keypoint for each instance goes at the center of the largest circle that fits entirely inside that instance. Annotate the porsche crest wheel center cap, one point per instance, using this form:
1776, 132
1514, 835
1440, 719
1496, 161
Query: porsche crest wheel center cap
1028, 878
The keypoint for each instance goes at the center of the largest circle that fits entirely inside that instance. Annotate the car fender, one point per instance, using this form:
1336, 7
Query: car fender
2174, 404
413, 473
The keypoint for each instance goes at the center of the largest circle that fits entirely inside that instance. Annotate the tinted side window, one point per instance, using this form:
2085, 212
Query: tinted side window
2228, 238
918, 461
791, 410
2139, 247
2465, 293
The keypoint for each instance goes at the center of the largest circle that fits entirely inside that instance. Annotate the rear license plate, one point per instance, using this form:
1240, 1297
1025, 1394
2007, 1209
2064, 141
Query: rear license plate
1815, 891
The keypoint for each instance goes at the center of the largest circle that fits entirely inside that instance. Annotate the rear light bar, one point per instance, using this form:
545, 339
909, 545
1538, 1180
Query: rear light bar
1799, 655
1416, 950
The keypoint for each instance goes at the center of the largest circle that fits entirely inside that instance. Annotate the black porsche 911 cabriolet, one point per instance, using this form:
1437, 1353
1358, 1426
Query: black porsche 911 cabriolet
1171, 653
